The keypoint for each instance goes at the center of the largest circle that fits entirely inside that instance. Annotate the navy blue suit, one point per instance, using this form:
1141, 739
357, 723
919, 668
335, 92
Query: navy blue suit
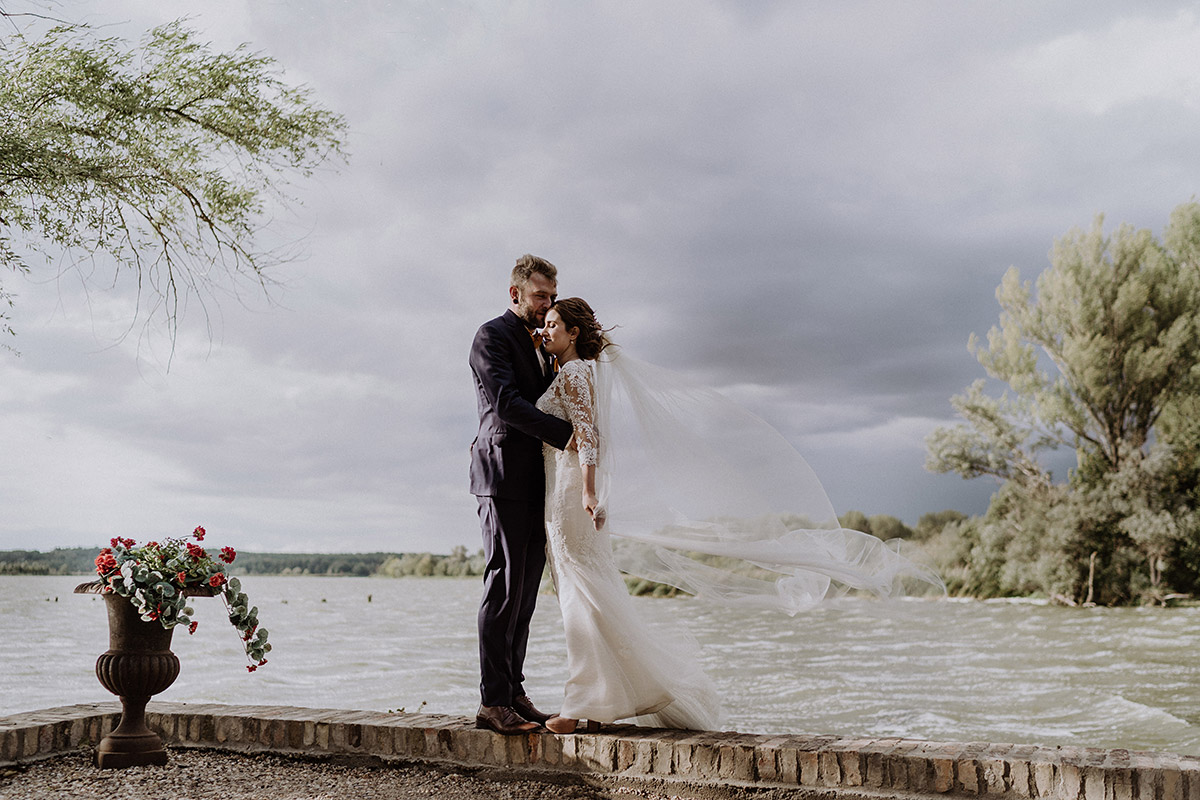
508, 479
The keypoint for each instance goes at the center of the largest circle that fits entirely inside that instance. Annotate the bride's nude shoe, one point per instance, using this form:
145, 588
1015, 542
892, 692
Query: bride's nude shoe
567, 725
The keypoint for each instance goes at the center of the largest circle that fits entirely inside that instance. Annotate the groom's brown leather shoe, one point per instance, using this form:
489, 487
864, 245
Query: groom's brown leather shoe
525, 708
503, 719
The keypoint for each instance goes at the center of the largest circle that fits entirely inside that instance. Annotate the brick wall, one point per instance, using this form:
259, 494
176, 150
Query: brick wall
829, 766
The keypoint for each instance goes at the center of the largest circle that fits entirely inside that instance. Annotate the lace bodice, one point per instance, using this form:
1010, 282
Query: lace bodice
572, 397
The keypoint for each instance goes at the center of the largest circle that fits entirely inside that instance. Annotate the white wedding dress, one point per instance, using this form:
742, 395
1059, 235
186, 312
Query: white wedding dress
700, 494
618, 667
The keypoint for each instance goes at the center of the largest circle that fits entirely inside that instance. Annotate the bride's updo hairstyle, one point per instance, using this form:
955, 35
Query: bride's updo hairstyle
576, 313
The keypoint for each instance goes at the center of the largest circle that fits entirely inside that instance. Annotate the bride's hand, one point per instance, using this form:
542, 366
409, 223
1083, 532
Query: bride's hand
591, 504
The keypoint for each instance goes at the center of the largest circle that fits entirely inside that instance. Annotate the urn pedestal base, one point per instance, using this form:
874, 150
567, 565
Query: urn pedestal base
131, 745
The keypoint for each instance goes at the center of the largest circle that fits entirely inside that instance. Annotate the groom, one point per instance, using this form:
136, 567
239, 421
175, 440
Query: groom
508, 479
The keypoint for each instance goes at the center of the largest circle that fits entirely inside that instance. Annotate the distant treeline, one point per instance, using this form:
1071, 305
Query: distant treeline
887, 527
60, 561
80, 561
458, 563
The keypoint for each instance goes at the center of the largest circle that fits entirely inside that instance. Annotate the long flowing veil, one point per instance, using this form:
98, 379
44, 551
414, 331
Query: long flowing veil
704, 495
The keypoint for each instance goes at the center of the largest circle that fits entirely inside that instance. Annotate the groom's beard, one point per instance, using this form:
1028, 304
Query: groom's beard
530, 316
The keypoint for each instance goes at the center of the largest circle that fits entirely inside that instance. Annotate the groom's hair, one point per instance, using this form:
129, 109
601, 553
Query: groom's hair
527, 265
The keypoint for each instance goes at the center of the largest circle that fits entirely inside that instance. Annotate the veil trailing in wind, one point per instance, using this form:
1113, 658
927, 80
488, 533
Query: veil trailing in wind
701, 494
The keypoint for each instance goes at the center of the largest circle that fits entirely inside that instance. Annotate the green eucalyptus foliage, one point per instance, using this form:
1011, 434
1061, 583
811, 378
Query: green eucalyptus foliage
166, 157
1101, 357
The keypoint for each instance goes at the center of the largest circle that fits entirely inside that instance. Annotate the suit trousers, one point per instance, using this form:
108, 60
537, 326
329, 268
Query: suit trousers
514, 544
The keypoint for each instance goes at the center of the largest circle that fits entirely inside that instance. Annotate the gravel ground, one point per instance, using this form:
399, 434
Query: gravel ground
214, 775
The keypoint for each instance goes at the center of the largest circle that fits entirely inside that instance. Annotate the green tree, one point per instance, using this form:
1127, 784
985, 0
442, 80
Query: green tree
932, 523
950, 552
1179, 430
1109, 341
885, 526
165, 158
855, 521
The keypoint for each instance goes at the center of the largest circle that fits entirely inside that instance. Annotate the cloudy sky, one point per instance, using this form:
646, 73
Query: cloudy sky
807, 205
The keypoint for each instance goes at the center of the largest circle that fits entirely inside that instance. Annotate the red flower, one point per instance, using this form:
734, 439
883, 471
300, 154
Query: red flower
152, 544
199, 533
196, 551
181, 577
251, 668
193, 626
105, 563
228, 554
114, 542
217, 580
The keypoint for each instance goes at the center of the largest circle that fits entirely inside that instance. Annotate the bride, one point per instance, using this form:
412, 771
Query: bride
700, 494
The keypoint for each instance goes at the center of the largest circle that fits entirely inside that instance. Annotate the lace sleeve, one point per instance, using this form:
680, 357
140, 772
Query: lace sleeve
578, 399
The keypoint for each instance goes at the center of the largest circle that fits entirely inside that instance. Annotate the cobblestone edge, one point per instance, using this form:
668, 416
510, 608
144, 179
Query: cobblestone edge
826, 766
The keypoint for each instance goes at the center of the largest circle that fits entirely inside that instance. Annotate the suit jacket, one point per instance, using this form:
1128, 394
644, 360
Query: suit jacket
506, 456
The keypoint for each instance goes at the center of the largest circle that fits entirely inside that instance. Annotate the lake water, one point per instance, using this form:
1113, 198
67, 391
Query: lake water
940, 670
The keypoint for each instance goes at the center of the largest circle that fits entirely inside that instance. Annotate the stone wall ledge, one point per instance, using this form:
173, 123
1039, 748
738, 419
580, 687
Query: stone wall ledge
831, 767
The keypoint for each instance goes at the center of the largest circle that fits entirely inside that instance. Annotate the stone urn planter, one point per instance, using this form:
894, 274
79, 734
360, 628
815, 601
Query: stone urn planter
137, 665
160, 576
